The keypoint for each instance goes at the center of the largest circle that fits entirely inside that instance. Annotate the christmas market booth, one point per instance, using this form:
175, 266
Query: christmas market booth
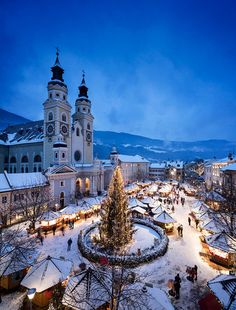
134, 202
222, 248
165, 221
138, 212
90, 289
71, 212
224, 289
50, 219
165, 190
148, 201
86, 210
214, 200
45, 276
15, 262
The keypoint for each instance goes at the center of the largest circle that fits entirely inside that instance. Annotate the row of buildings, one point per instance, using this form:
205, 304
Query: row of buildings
59, 150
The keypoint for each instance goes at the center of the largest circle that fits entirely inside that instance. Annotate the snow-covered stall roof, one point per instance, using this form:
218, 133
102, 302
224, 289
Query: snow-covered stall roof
222, 241
131, 187
84, 205
214, 196
153, 188
87, 290
148, 200
139, 210
50, 215
166, 189
164, 217
212, 226
140, 295
94, 201
224, 288
47, 273
200, 208
158, 210
70, 209
16, 258
134, 202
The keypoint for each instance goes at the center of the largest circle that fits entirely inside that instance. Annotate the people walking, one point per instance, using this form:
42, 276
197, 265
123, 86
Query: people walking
189, 221
197, 222
63, 230
195, 272
69, 242
177, 286
41, 239
181, 230
53, 230
178, 229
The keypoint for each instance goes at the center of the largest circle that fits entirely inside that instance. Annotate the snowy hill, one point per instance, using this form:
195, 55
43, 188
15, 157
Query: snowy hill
154, 149
151, 149
8, 118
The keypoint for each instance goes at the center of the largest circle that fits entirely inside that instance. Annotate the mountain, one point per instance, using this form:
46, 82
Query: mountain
151, 149
8, 118
154, 149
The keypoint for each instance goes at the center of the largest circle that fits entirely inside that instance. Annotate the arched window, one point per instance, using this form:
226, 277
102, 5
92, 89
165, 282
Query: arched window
63, 117
13, 160
50, 116
62, 199
24, 159
77, 131
88, 126
37, 159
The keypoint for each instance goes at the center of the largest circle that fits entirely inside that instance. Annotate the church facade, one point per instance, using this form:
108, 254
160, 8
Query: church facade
60, 146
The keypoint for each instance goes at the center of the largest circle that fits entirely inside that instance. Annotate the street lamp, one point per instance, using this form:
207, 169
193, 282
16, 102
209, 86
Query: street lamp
31, 292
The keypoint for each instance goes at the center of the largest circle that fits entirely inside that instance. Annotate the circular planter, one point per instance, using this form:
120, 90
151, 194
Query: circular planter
93, 253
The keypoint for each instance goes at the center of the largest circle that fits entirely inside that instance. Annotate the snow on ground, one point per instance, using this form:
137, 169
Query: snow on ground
143, 238
12, 301
182, 252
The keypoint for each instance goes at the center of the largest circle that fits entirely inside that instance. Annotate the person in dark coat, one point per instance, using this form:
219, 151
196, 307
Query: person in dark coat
41, 239
53, 230
69, 242
189, 221
63, 230
197, 222
177, 285
195, 272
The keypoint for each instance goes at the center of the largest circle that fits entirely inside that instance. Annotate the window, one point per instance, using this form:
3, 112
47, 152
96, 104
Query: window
4, 199
63, 155
13, 160
64, 97
39, 169
35, 169
22, 169
56, 155
50, 95
78, 109
37, 159
24, 159
14, 169
77, 155
50, 116
77, 131
58, 95
63, 117
62, 183
88, 126
84, 109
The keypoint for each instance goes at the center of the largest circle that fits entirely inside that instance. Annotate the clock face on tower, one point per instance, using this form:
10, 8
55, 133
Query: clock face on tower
50, 129
64, 129
88, 136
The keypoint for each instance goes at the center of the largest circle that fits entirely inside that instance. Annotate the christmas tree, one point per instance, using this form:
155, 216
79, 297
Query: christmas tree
115, 229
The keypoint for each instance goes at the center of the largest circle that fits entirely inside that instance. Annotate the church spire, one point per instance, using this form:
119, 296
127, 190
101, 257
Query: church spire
57, 70
83, 89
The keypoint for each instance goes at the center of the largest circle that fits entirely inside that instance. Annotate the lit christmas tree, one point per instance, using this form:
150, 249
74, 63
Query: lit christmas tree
116, 228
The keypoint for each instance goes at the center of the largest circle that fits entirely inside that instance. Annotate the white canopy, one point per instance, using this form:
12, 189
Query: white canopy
164, 217
148, 200
158, 210
47, 273
139, 210
212, 226
50, 215
70, 209
134, 202
222, 241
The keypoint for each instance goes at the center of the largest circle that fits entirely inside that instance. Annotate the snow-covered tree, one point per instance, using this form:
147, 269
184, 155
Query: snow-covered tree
116, 228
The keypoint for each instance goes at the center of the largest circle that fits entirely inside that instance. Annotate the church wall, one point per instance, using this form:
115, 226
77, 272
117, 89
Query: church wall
3, 154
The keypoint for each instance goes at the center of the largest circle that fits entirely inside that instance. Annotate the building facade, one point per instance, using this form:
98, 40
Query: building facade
60, 145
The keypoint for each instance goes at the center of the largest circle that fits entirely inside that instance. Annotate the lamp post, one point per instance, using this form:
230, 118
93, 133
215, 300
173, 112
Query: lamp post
31, 292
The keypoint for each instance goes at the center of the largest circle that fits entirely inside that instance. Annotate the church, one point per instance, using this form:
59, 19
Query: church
60, 146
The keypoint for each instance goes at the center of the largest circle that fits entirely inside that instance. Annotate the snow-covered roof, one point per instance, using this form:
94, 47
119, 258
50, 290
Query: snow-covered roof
16, 259
158, 210
47, 273
214, 196
222, 241
224, 288
132, 159
70, 209
178, 164
134, 202
212, 226
231, 167
24, 180
157, 165
84, 205
50, 215
164, 217
30, 132
87, 290
139, 210
13, 181
148, 200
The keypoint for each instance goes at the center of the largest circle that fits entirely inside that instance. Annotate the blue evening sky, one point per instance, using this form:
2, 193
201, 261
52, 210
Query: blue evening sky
162, 69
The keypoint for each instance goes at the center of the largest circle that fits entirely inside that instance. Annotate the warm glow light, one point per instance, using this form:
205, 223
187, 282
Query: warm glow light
31, 292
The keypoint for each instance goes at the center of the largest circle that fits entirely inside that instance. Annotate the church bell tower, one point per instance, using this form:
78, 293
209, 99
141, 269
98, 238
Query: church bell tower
82, 135
57, 114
